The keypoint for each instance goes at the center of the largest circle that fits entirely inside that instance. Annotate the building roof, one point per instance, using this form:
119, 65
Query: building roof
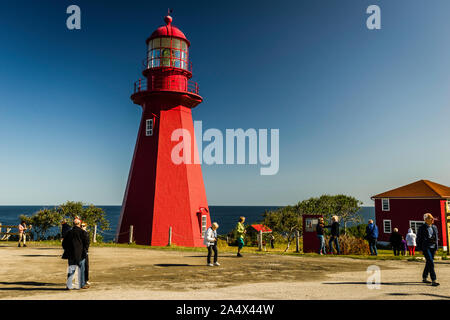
168, 31
423, 189
261, 227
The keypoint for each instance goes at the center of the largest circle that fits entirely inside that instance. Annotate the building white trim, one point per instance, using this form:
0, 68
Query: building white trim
385, 204
415, 223
384, 225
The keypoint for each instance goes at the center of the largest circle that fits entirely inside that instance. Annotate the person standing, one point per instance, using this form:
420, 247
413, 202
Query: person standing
86, 263
272, 241
320, 235
371, 237
411, 242
64, 229
76, 244
22, 235
334, 234
396, 241
427, 242
211, 243
240, 232
403, 246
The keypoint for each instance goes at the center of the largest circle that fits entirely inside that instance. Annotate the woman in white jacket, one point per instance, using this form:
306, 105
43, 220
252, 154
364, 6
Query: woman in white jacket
411, 242
211, 242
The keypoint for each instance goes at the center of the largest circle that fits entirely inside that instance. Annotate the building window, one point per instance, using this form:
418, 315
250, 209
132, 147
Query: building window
387, 226
149, 127
415, 225
204, 221
385, 206
448, 206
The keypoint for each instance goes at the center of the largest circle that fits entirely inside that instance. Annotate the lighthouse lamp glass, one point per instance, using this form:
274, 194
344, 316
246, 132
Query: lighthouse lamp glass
168, 52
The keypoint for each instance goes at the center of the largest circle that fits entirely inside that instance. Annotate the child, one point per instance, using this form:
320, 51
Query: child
411, 242
403, 246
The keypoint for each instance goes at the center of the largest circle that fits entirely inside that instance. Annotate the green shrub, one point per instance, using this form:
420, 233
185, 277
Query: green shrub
351, 245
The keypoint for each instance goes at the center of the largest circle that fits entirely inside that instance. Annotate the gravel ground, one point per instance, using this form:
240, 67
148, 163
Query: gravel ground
130, 273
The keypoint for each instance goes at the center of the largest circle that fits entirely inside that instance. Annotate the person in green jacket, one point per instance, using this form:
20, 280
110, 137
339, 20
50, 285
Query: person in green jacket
240, 231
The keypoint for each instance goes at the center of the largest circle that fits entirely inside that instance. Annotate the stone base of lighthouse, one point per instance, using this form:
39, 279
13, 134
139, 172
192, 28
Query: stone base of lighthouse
160, 194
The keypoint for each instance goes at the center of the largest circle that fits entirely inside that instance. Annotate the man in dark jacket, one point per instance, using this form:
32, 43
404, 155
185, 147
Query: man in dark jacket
76, 244
64, 229
396, 241
334, 238
371, 237
427, 242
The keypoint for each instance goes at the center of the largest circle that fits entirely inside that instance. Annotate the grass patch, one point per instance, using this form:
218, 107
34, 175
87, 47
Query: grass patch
383, 254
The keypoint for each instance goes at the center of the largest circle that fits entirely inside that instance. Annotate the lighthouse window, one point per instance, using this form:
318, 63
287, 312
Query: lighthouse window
183, 46
149, 127
154, 63
176, 54
204, 220
165, 42
155, 53
176, 43
167, 52
176, 63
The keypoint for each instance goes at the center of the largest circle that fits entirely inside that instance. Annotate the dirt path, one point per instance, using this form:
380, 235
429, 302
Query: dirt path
123, 273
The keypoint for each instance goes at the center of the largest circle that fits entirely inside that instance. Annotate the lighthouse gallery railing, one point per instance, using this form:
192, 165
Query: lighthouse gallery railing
167, 84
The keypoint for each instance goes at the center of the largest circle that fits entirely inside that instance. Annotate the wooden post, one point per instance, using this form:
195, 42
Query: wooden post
170, 237
130, 240
95, 234
297, 241
260, 240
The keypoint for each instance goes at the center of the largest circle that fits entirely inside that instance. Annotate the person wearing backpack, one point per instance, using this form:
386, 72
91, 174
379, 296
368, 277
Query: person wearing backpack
371, 237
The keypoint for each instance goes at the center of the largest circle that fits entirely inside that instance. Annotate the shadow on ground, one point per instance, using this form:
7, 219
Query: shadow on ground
41, 255
174, 265
33, 286
382, 283
422, 294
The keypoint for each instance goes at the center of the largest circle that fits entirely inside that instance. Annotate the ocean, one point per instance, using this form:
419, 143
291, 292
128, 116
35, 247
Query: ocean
226, 216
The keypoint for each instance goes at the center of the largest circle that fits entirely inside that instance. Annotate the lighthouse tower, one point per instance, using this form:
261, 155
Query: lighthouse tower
163, 194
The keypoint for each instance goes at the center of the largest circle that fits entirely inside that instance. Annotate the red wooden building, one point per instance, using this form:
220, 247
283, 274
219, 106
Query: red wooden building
404, 207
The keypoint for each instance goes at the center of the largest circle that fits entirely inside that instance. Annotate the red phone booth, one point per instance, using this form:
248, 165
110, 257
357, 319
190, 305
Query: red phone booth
310, 241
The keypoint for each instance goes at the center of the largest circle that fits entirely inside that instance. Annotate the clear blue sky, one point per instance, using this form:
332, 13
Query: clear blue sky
359, 111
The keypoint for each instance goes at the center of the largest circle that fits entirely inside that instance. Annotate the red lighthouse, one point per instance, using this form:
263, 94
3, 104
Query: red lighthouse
160, 194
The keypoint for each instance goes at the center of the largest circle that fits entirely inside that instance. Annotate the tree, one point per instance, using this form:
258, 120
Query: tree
285, 220
343, 206
42, 221
91, 214
347, 208
45, 219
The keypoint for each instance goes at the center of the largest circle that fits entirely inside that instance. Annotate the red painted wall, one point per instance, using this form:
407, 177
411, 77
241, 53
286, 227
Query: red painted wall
404, 210
161, 194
